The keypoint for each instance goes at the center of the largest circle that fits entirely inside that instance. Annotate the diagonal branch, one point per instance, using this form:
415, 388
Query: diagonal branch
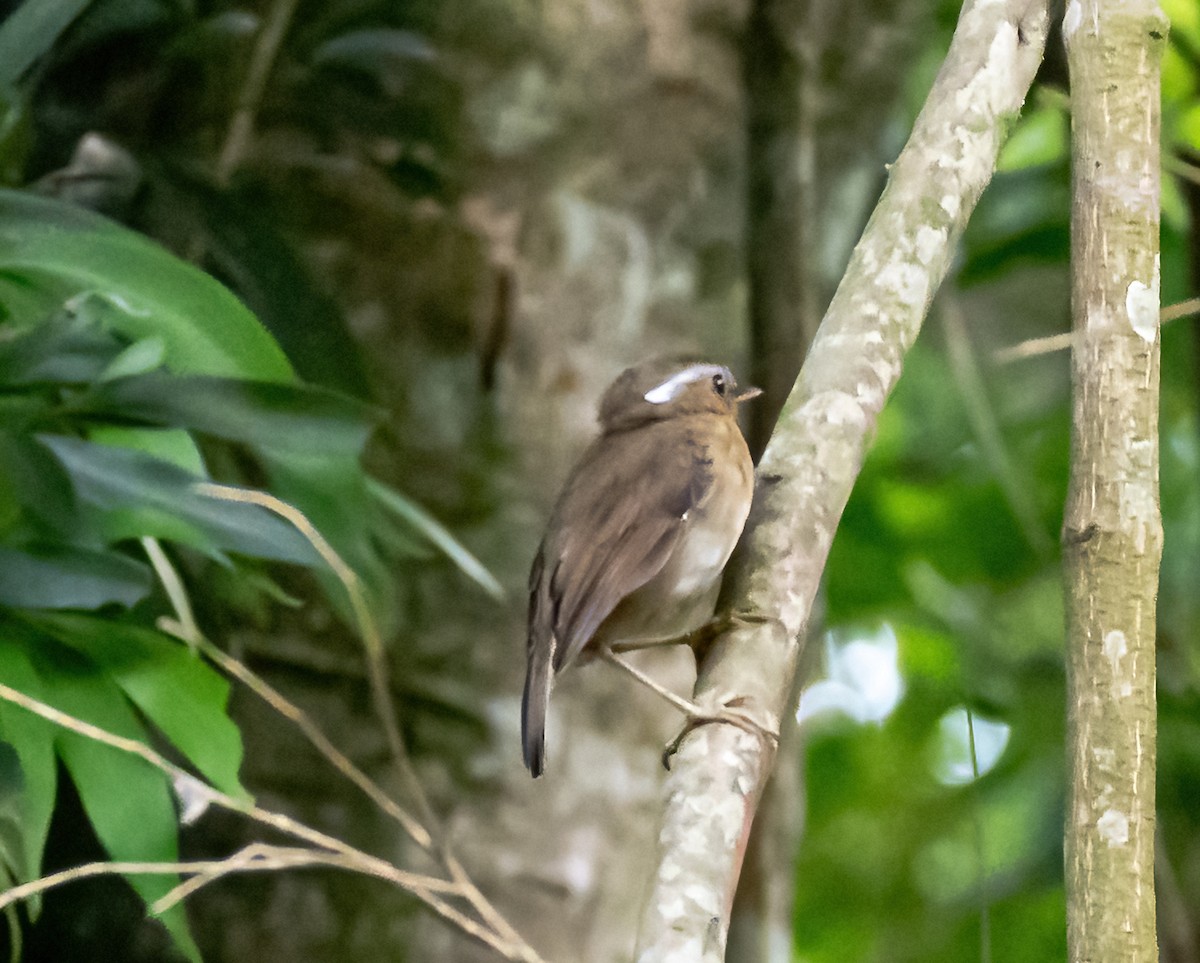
814, 456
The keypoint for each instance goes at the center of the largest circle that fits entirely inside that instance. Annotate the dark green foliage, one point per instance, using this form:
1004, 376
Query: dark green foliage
897, 864
119, 365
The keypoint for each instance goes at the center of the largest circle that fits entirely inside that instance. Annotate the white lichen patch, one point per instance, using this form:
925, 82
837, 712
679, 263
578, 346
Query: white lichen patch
951, 203
1115, 647
1113, 827
842, 409
1139, 506
907, 282
990, 89
1141, 302
1072, 19
930, 242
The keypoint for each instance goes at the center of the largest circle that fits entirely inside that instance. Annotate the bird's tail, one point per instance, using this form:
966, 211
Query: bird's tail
533, 709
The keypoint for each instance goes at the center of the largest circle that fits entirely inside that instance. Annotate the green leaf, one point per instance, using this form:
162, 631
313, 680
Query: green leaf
51, 251
1040, 137
272, 416
30, 31
33, 739
1185, 20
172, 686
332, 494
432, 529
168, 444
128, 801
67, 577
139, 495
16, 138
247, 249
1187, 127
39, 486
14, 861
140, 357
63, 348
12, 791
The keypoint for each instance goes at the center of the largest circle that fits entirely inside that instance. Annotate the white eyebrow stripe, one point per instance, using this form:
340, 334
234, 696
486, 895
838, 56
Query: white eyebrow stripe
667, 391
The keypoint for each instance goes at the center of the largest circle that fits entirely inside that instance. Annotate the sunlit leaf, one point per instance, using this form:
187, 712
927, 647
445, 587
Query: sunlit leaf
169, 444
171, 685
140, 357
51, 251
128, 802
1040, 137
33, 739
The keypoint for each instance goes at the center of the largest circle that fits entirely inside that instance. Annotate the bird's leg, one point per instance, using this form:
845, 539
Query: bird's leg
699, 640
687, 708
696, 715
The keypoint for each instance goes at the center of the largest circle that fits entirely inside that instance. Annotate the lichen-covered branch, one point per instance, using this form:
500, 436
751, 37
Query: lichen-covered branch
1112, 530
814, 455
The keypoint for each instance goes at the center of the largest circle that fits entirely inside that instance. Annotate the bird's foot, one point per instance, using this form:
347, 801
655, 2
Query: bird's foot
731, 713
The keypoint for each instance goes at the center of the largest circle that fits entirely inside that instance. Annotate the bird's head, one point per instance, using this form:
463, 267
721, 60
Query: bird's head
670, 387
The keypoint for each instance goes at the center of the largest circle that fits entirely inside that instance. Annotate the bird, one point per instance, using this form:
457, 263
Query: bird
634, 549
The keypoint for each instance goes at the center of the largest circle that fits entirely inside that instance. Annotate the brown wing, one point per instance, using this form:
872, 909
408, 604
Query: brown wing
613, 529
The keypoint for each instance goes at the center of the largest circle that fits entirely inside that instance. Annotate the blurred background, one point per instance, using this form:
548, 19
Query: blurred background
473, 214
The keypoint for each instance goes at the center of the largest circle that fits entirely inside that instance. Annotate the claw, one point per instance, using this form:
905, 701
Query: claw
730, 716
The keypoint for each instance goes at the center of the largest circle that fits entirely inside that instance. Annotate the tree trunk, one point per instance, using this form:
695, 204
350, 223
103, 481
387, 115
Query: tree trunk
779, 216
813, 458
1112, 531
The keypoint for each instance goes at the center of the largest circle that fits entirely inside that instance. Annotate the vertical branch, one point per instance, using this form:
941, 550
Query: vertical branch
1112, 531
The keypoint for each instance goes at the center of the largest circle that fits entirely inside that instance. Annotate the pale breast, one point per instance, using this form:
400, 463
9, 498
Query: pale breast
681, 596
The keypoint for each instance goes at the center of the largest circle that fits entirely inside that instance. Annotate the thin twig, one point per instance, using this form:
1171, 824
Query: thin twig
985, 911
185, 627
1061, 342
426, 831
368, 630
428, 889
965, 369
321, 742
256, 857
241, 126
1177, 165
172, 584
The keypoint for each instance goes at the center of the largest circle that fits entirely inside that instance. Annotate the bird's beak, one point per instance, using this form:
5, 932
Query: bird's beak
749, 393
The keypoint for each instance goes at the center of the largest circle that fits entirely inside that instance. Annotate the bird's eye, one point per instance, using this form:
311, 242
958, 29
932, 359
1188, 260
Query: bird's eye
719, 384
